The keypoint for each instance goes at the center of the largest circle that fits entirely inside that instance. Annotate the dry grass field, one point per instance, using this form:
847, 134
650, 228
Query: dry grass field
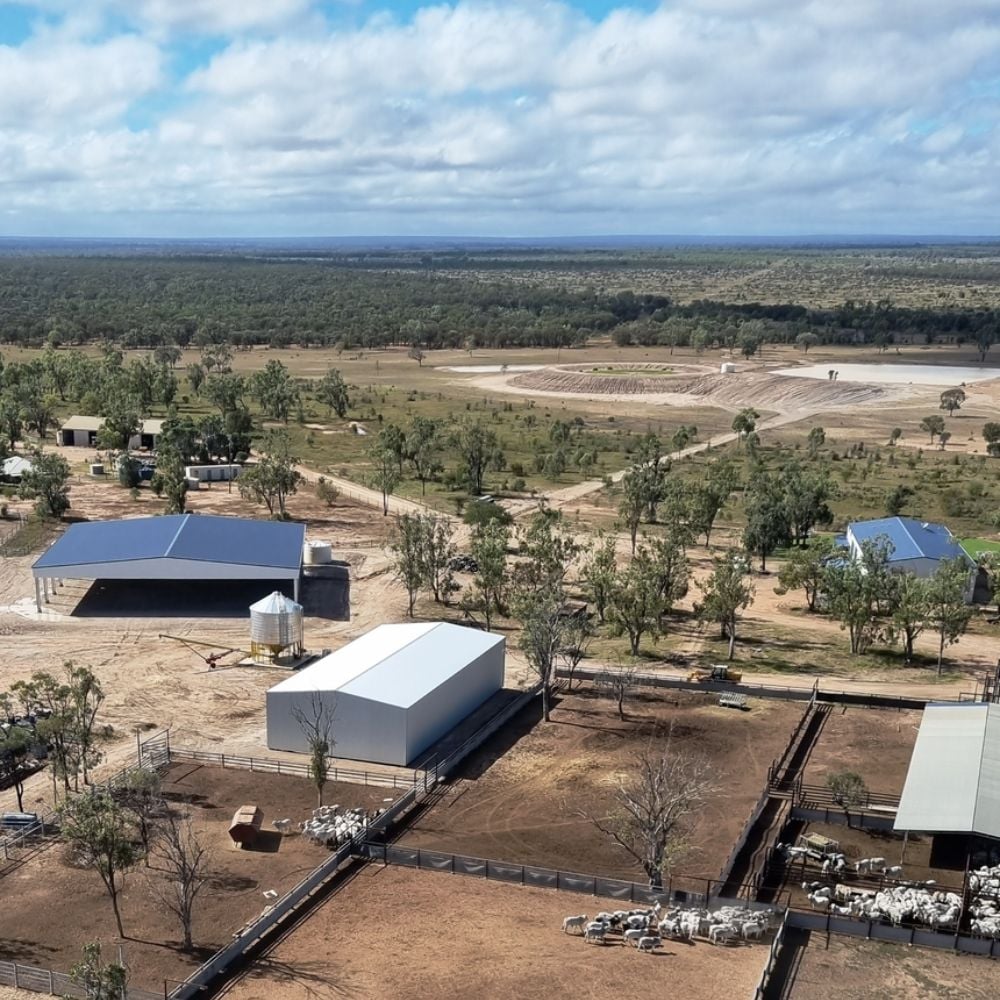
394, 932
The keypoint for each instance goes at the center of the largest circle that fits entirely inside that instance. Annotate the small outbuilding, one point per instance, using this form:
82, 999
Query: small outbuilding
392, 693
81, 432
13, 468
917, 547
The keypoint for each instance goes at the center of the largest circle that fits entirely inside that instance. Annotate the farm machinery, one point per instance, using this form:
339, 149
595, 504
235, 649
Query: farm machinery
717, 672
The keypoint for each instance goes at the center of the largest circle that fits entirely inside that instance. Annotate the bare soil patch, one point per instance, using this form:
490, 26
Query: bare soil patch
394, 932
855, 969
875, 743
61, 907
526, 796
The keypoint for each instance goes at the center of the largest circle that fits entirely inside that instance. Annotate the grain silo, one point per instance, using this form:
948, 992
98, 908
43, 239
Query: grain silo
275, 627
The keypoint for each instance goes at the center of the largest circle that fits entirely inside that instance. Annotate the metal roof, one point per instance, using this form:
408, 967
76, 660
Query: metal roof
395, 664
953, 784
194, 537
151, 425
78, 423
910, 538
17, 465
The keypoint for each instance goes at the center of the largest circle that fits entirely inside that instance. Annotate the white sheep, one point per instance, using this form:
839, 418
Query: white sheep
574, 923
594, 932
648, 943
633, 934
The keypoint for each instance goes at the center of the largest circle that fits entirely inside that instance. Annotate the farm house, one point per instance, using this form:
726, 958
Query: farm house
952, 786
917, 547
393, 692
187, 549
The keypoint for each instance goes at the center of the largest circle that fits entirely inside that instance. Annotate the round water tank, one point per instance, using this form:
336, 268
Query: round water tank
317, 554
97, 468
276, 622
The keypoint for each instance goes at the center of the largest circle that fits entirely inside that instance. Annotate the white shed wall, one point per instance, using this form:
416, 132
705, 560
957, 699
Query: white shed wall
459, 696
363, 730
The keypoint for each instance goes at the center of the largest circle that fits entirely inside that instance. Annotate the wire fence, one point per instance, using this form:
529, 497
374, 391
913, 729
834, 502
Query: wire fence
270, 765
57, 984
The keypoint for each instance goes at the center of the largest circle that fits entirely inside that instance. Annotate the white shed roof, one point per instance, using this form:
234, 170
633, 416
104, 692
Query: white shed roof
395, 664
953, 784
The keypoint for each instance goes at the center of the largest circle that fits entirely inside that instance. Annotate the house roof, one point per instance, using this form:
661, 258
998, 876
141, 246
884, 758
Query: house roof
953, 784
395, 664
910, 538
194, 537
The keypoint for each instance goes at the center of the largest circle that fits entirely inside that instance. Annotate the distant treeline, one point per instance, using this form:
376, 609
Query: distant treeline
146, 302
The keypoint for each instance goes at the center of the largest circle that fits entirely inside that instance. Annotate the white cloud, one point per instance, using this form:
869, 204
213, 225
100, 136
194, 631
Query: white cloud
477, 116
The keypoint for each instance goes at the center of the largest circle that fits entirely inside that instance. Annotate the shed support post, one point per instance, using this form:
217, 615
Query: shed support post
296, 590
38, 596
45, 588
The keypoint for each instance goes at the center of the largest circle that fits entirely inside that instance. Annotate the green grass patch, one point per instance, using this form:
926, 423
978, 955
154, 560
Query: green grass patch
977, 546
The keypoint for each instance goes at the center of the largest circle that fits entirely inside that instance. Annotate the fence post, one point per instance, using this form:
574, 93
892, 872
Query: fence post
17, 985
52, 991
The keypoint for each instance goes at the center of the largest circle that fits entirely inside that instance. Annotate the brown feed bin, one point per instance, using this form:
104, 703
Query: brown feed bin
245, 826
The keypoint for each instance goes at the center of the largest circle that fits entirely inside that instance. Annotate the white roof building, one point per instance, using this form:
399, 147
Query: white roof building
953, 784
393, 692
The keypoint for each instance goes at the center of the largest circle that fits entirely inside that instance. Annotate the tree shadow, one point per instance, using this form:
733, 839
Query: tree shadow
315, 977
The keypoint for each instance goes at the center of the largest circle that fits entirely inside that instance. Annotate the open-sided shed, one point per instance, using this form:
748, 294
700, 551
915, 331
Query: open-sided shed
953, 784
392, 693
174, 547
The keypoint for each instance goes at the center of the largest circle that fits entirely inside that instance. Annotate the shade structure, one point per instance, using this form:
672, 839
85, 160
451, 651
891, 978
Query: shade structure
392, 693
175, 547
953, 783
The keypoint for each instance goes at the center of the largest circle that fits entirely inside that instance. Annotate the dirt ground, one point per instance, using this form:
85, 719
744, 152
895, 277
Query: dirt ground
875, 743
395, 932
527, 796
855, 969
61, 907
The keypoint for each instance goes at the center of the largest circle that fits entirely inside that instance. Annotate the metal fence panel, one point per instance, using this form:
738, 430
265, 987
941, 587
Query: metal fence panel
975, 946
503, 872
575, 883
541, 877
403, 856
613, 888
471, 866
436, 860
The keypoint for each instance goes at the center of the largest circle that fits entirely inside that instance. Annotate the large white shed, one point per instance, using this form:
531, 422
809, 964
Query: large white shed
393, 692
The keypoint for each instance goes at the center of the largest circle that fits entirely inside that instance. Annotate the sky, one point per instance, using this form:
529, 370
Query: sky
196, 118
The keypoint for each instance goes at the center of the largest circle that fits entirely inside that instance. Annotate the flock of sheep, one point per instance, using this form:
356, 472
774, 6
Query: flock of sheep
329, 825
647, 928
904, 902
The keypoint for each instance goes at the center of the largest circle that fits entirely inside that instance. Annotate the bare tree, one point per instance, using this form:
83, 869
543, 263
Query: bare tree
316, 725
184, 859
618, 683
654, 801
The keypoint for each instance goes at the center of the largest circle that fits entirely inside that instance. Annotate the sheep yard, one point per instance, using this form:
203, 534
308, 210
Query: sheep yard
854, 969
528, 794
873, 742
396, 932
61, 907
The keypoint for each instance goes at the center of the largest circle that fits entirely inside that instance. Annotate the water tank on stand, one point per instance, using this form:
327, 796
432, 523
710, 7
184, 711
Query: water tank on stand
317, 554
275, 627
